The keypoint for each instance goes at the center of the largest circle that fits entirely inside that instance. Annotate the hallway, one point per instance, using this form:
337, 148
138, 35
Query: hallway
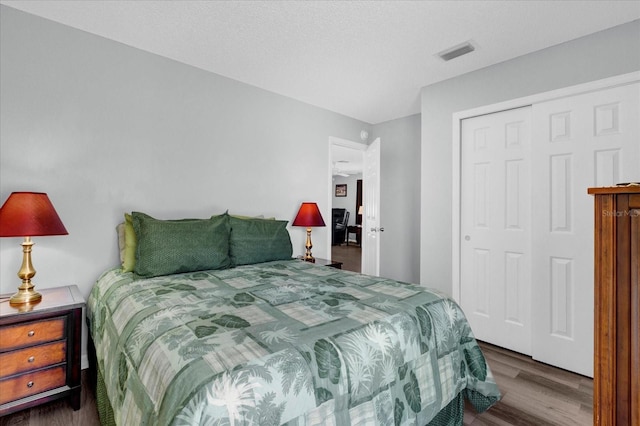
350, 256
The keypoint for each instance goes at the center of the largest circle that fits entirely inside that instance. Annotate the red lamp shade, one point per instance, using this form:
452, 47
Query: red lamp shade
308, 216
28, 214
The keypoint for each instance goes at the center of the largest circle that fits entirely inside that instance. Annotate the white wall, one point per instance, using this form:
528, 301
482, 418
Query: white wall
600, 55
104, 128
400, 197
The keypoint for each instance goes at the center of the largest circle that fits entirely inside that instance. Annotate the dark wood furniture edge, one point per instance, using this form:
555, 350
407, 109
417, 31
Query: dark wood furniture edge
614, 190
75, 345
91, 357
634, 205
616, 394
604, 306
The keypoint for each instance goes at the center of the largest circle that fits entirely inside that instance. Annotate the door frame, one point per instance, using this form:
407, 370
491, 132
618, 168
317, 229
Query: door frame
345, 143
371, 238
457, 118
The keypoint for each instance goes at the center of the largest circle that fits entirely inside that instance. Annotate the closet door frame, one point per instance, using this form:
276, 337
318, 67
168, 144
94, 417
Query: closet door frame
497, 107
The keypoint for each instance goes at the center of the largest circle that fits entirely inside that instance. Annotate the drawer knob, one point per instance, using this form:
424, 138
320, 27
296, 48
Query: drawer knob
31, 333
30, 384
31, 359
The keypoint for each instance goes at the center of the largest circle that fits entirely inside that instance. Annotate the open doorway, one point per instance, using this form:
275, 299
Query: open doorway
347, 166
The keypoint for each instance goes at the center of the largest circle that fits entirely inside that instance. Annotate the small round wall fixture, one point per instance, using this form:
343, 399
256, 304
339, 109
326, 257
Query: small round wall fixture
364, 135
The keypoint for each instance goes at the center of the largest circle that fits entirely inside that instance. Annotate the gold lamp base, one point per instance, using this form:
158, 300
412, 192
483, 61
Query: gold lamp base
307, 256
24, 296
26, 293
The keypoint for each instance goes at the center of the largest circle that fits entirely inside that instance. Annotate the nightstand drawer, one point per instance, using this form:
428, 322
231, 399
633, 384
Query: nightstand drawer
31, 333
32, 358
32, 383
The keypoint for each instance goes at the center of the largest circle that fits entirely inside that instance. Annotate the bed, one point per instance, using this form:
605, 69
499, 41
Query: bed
264, 341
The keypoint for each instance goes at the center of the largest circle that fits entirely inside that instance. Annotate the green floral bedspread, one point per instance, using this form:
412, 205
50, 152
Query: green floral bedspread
284, 342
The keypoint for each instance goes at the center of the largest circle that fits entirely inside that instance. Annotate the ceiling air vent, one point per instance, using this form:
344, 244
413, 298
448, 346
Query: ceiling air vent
455, 51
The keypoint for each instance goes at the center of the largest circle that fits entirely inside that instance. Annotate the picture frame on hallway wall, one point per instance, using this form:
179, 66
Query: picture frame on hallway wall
341, 190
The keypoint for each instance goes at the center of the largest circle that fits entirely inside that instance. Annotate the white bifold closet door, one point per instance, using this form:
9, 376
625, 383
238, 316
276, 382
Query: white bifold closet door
495, 246
526, 262
581, 141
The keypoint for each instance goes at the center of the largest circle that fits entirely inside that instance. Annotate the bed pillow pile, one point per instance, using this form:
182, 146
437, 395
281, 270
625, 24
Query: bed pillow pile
172, 246
151, 247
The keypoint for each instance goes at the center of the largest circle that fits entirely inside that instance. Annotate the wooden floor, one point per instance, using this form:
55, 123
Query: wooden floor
350, 256
532, 394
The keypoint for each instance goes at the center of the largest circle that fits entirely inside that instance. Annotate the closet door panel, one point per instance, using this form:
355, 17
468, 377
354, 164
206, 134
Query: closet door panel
496, 228
578, 142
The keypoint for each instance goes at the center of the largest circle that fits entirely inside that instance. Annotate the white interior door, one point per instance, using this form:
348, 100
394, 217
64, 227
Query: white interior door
495, 257
371, 229
580, 141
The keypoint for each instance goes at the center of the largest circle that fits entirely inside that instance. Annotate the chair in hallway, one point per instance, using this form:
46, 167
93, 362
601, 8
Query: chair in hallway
339, 221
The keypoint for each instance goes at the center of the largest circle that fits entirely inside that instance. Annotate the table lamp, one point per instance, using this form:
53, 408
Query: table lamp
308, 215
28, 214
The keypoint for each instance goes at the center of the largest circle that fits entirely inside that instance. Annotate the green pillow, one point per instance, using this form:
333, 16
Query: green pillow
129, 256
239, 216
258, 240
173, 246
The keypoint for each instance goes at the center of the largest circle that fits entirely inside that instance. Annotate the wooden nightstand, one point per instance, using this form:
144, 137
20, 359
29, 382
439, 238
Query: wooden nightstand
355, 229
329, 263
40, 350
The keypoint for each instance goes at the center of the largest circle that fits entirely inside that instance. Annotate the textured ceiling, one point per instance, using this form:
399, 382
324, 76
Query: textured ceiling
363, 59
